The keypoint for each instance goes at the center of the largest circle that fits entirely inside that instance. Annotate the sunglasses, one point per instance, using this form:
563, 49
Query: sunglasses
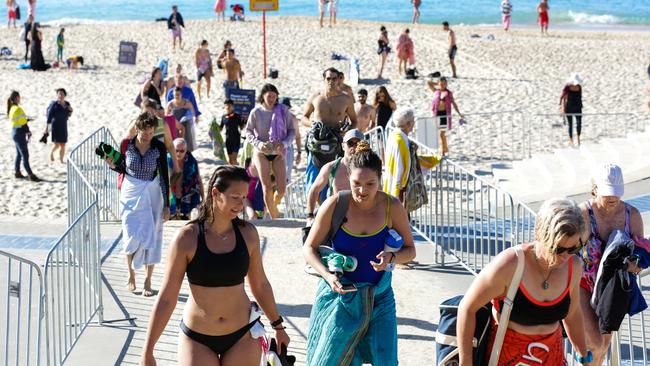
180, 151
352, 143
331, 78
570, 250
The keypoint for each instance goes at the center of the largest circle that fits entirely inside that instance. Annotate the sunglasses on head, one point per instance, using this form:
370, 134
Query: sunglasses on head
570, 250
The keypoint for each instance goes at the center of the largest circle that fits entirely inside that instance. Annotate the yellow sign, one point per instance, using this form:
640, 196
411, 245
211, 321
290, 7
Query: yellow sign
268, 5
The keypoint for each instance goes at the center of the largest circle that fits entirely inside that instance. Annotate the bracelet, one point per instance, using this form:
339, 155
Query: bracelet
588, 358
279, 328
277, 322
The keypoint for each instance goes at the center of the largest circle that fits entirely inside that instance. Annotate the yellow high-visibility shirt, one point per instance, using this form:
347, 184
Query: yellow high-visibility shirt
17, 116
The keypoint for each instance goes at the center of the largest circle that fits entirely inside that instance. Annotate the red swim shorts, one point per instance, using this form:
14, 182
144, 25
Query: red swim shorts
531, 350
543, 18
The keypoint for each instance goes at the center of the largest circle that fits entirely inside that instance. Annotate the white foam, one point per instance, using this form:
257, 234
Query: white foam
585, 18
80, 21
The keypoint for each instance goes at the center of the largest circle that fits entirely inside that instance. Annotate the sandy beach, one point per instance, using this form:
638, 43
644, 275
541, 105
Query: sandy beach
516, 71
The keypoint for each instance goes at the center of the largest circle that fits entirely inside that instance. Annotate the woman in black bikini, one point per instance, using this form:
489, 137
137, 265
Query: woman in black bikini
152, 88
217, 251
383, 49
270, 130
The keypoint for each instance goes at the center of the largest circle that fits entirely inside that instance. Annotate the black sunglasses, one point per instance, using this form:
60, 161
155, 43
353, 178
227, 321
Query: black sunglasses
570, 250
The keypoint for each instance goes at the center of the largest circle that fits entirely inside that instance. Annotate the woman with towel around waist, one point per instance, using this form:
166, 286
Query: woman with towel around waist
144, 199
270, 130
351, 328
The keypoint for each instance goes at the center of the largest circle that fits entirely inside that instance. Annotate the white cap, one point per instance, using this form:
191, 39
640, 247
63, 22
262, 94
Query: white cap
609, 180
575, 79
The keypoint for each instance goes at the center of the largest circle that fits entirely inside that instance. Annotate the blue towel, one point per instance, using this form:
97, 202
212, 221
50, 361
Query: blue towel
310, 177
354, 328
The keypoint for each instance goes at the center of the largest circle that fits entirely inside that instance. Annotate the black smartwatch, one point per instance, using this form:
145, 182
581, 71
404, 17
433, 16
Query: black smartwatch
277, 322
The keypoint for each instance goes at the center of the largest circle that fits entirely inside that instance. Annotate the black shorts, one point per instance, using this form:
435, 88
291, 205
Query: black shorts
452, 52
232, 144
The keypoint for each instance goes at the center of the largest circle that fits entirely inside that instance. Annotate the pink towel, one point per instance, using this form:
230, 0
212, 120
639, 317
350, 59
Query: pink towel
405, 48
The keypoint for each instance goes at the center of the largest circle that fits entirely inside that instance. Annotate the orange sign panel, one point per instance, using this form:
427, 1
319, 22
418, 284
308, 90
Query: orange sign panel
268, 5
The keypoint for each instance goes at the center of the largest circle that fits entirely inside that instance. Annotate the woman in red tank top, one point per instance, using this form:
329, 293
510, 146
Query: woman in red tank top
549, 292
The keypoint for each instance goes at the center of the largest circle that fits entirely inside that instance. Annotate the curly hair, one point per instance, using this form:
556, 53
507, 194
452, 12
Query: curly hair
364, 157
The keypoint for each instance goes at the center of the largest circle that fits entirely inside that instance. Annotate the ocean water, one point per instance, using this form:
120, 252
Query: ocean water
579, 13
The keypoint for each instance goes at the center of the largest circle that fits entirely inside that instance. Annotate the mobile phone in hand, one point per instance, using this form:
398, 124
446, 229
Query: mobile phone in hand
348, 288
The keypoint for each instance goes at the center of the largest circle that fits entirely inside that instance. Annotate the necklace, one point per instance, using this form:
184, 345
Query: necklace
222, 237
545, 284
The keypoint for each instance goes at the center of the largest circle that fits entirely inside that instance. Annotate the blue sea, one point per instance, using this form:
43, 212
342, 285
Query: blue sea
578, 13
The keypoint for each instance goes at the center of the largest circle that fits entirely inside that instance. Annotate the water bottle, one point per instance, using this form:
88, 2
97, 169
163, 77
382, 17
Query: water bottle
394, 243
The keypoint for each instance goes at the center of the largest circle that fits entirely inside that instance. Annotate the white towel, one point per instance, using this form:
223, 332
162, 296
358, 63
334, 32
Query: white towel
141, 208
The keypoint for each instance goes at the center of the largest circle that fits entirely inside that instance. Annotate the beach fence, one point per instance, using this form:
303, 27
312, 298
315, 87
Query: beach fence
483, 137
516, 135
547, 132
23, 305
46, 312
295, 198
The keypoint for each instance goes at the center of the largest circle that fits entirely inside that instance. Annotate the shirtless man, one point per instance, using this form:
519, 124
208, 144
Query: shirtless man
365, 112
330, 107
232, 68
340, 180
452, 47
542, 12
343, 86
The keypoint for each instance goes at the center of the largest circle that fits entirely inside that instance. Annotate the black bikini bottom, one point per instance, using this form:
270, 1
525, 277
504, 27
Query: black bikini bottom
270, 157
218, 344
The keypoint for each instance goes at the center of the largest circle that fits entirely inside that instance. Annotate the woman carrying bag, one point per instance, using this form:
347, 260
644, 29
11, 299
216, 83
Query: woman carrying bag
549, 292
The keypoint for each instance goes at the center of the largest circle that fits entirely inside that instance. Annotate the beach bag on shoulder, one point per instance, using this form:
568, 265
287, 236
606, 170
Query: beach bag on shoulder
446, 336
324, 143
338, 218
416, 191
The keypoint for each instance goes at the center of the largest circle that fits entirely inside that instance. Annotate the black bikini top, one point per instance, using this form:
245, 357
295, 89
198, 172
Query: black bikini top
210, 269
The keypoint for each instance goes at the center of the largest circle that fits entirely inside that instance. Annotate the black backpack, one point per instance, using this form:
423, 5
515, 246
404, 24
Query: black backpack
324, 143
446, 343
412, 73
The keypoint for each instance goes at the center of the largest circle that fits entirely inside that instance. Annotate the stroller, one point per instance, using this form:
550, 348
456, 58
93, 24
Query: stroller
238, 12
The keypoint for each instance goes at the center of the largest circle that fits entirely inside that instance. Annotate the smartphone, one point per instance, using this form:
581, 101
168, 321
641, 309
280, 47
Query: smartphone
349, 288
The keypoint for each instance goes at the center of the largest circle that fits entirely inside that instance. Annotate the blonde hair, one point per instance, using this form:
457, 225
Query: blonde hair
556, 219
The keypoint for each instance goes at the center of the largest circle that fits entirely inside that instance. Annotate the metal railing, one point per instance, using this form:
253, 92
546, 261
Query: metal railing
516, 135
68, 295
97, 174
376, 137
72, 274
22, 324
295, 198
546, 132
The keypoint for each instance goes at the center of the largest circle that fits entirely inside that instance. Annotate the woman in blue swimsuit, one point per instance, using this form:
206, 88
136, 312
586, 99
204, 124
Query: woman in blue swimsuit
350, 328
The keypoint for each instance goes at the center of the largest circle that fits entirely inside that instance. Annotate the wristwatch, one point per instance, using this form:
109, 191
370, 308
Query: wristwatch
310, 215
584, 359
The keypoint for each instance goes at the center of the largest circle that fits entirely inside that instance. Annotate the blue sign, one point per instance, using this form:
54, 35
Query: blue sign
243, 101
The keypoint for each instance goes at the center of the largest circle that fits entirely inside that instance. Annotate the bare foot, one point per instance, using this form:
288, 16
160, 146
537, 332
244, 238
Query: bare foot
51, 157
147, 291
130, 284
